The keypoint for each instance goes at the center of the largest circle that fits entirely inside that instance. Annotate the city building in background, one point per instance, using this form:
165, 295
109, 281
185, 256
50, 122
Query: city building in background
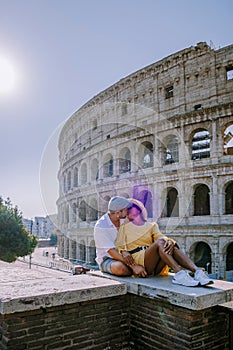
163, 135
40, 226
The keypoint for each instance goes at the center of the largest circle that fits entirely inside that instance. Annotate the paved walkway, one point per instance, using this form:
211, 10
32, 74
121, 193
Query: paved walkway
47, 257
40, 268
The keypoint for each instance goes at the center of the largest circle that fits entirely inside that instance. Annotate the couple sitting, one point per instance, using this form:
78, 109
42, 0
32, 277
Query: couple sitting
137, 247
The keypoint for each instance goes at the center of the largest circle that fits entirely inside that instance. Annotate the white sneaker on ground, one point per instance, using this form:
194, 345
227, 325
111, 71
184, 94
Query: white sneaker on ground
183, 277
202, 277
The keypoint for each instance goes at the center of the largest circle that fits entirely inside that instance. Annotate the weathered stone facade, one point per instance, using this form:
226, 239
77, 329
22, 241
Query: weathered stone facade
162, 135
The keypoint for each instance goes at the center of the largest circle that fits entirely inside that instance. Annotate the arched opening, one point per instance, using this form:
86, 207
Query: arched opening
94, 170
172, 203
74, 212
92, 252
201, 200
67, 219
83, 174
108, 166
146, 154
202, 256
75, 179
228, 140
229, 198
171, 150
229, 263
82, 251
69, 181
125, 161
83, 211
201, 144
64, 183
93, 210
73, 250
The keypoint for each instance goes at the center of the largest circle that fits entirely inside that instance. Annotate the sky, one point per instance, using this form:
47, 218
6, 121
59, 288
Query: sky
55, 55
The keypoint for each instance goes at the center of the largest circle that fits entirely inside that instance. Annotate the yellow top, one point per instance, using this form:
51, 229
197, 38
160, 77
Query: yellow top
131, 236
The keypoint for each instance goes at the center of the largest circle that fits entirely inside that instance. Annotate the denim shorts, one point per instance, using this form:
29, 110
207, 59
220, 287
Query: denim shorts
105, 266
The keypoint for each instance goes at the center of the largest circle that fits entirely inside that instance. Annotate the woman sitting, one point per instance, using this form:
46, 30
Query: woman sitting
153, 252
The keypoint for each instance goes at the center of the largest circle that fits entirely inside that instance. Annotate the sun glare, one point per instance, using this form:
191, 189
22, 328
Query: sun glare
7, 76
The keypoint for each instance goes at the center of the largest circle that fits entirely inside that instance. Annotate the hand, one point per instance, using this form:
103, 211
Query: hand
139, 270
168, 247
127, 258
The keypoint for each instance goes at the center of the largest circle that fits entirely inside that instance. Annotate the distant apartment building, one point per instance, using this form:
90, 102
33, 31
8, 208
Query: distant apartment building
163, 135
41, 226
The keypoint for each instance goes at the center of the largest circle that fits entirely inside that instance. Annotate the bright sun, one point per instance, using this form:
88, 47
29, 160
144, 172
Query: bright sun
7, 76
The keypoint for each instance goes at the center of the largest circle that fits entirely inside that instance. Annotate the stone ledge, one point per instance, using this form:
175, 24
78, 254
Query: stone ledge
24, 290
161, 287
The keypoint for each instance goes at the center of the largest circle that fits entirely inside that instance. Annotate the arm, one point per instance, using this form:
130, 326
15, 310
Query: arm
128, 260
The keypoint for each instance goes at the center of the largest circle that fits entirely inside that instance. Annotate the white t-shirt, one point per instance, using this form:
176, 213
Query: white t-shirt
105, 234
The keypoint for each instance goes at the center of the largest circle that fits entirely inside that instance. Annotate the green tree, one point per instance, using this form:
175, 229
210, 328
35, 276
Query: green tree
15, 241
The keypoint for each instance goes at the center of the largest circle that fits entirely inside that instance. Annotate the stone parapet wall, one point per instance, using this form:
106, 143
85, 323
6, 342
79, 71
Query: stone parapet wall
45, 310
98, 325
159, 325
117, 323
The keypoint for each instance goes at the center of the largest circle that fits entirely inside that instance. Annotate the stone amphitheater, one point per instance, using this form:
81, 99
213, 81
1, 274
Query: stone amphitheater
163, 135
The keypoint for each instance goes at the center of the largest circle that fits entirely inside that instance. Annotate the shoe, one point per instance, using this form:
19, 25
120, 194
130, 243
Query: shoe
202, 277
183, 277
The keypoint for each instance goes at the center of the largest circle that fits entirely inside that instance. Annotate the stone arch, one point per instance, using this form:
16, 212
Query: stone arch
171, 150
227, 136
83, 174
69, 181
200, 144
146, 154
108, 165
75, 177
67, 218
201, 255
64, 183
92, 252
82, 211
229, 198
73, 250
201, 200
93, 210
82, 251
229, 262
103, 203
94, 169
172, 202
124, 160
74, 212
229, 257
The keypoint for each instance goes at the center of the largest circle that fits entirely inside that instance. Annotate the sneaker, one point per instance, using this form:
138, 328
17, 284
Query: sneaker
202, 277
183, 277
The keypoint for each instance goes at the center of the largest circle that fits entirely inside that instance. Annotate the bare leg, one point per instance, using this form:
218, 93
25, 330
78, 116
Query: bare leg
120, 269
168, 259
177, 260
184, 260
152, 260
156, 259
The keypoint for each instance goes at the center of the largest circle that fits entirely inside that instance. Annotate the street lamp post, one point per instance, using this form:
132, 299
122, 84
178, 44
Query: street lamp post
30, 256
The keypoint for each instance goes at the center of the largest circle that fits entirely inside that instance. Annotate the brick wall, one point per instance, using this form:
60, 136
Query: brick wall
160, 325
117, 323
98, 325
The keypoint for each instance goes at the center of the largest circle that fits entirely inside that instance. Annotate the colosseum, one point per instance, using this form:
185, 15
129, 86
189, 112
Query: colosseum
163, 135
